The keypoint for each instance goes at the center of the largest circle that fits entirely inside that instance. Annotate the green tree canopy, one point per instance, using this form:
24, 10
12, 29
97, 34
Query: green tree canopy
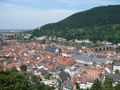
23, 67
117, 87
100, 23
108, 84
97, 85
12, 80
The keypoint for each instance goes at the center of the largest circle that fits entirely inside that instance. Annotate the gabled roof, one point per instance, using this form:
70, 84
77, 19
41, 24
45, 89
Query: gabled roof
116, 77
68, 84
89, 58
43, 72
51, 48
64, 76
116, 63
90, 75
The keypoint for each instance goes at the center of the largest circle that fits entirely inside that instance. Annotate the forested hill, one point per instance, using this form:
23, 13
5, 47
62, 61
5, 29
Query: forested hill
99, 23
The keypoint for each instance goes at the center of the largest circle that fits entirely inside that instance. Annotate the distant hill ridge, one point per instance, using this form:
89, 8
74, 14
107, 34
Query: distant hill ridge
99, 23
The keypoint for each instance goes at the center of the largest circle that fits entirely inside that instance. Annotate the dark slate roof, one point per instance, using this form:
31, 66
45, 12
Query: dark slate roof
43, 72
68, 85
90, 58
64, 76
116, 77
117, 63
1, 44
6, 61
51, 48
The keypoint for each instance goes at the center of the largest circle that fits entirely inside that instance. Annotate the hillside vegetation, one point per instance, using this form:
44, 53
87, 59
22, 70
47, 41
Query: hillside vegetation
100, 23
13, 80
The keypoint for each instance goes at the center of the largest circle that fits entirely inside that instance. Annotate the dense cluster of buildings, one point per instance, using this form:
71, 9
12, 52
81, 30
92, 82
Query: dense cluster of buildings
61, 66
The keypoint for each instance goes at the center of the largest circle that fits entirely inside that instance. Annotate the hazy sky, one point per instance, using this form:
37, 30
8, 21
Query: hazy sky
28, 14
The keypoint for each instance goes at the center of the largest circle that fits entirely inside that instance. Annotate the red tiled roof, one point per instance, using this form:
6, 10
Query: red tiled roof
65, 61
90, 75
